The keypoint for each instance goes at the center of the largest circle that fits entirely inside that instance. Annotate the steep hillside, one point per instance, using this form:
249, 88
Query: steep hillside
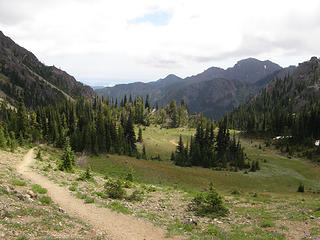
213, 92
213, 97
287, 106
22, 74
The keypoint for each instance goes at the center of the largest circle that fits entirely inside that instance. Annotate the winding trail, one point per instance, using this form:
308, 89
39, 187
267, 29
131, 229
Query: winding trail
117, 226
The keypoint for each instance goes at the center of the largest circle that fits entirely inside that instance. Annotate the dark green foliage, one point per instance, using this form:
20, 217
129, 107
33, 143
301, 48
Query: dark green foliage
45, 200
300, 188
288, 108
255, 166
87, 175
181, 156
136, 196
140, 136
144, 154
22, 118
130, 176
67, 160
209, 204
235, 192
13, 142
114, 189
3, 140
173, 113
209, 151
39, 155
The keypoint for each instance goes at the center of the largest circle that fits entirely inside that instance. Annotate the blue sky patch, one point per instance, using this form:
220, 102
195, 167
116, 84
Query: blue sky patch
159, 18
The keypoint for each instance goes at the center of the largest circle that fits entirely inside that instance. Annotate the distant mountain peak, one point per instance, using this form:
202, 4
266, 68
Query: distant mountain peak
170, 77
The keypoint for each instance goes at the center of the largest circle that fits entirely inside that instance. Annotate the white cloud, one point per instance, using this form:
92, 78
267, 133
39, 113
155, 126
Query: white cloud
96, 38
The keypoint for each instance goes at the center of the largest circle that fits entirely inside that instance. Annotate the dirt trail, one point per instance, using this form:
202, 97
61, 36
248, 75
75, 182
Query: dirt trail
117, 226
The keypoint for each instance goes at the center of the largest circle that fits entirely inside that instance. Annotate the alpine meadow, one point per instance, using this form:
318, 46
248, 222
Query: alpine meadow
227, 153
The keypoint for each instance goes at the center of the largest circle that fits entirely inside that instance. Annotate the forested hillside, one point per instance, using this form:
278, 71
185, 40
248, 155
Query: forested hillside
288, 107
22, 74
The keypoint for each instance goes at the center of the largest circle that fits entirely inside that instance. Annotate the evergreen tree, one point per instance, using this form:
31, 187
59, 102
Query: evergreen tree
140, 136
68, 158
173, 114
3, 140
147, 104
22, 118
144, 154
130, 135
13, 142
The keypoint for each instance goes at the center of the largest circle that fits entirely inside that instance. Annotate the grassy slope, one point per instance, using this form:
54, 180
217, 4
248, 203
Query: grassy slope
279, 174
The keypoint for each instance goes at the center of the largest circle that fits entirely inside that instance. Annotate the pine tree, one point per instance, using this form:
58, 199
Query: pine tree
130, 135
22, 118
147, 104
140, 140
13, 142
144, 154
68, 158
173, 114
3, 140
180, 156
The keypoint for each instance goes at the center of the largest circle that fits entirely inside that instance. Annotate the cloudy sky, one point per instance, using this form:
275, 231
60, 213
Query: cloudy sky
103, 42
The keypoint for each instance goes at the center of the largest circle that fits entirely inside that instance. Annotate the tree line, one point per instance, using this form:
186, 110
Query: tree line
93, 126
275, 112
210, 151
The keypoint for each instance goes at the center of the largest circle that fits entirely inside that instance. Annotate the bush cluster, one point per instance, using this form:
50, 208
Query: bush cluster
209, 204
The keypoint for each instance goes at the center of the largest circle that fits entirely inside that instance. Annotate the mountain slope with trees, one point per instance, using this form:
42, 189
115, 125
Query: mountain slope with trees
213, 92
23, 75
287, 107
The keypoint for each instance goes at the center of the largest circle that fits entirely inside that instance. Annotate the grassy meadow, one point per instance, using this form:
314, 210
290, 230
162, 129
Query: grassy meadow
279, 174
263, 205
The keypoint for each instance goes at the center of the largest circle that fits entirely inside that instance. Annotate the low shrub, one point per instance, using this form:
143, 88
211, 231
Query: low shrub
130, 176
100, 194
72, 188
235, 192
300, 188
88, 200
209, 204
136, 196
45, 200
266, 224
114, 189
87, 175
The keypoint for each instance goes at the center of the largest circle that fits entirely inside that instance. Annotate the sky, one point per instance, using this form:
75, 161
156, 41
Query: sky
104, 42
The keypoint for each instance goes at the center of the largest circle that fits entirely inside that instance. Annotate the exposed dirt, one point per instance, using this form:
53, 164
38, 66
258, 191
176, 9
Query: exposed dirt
24, 216
174, 142
117, 226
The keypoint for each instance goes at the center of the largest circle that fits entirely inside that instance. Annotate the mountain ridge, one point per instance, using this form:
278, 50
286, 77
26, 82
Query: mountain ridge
244, 74
23, 75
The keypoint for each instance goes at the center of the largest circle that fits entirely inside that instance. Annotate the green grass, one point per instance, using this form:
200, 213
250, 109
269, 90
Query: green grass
19, 183
278, 174
118, 207
38, 189
72, 188
45, 200
89, 200
266, 224
160, 141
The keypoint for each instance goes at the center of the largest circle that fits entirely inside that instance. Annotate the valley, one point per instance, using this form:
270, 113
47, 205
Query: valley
263, 204
224, 154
